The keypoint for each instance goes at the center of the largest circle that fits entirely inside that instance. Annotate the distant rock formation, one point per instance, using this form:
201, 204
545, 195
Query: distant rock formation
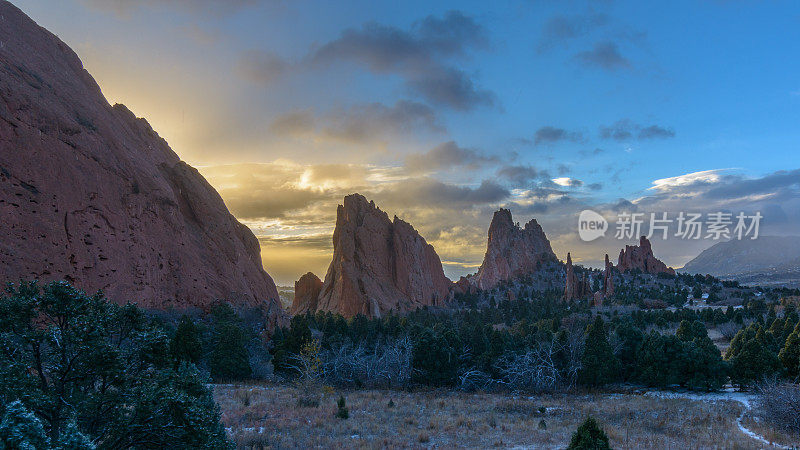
92, 195
607, 290
641, 257
512, 252
379, 265
576, 288
608, 279
465, 285
306, 292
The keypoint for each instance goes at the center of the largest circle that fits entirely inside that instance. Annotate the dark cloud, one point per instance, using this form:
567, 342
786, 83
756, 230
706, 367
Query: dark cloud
451, 87
604, 55
559, 29
595, 186
360, 123
656, 132
363, 122
420, 55
519, 176
447, 156
428, 192
776, 183
549, 135
626, 129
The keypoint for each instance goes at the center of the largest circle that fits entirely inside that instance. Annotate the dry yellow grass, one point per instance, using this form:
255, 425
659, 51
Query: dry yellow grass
266, 416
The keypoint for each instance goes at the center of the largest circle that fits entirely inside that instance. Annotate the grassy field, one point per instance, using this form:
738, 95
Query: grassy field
266, 416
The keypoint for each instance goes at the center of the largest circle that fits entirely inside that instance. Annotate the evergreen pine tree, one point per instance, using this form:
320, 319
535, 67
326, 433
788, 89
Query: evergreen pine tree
229, 359
790, 353
186, 344
589, 436
84, 365
599, 365
754, 358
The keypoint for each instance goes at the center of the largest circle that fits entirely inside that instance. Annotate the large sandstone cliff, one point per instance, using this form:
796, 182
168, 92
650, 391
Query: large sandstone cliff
641, 257
511, 251
379, 264
91, 194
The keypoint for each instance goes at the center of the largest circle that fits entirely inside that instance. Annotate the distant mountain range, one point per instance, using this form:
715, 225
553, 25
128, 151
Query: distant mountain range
768, 260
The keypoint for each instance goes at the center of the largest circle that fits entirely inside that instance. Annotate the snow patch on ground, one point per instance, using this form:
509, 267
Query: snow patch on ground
745, 399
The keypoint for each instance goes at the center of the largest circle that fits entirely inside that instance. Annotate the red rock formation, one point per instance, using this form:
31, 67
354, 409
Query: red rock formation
379, 265
575, 288
641, 257
91, 194
465, 285
512, 252
306, 292
608, 279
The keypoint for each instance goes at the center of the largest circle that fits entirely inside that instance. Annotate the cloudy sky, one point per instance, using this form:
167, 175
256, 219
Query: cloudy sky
443, 113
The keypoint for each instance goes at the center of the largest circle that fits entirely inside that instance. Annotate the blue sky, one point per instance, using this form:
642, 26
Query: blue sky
444, 112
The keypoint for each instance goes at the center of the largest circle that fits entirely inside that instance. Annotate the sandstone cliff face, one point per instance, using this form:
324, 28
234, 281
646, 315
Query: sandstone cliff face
379, 264
512, 251
641, 257
91, 194
306, 292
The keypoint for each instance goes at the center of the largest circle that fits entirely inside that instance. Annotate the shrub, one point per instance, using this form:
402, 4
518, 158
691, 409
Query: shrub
589, 436
341, 409
21, 429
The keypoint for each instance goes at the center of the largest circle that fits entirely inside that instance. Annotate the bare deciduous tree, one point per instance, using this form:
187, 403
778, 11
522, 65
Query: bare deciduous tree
386, 364
779, 403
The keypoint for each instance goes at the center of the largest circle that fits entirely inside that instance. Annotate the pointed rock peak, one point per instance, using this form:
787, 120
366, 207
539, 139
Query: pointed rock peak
569, 259
502, 217
379, 265
512, 252
533, 225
